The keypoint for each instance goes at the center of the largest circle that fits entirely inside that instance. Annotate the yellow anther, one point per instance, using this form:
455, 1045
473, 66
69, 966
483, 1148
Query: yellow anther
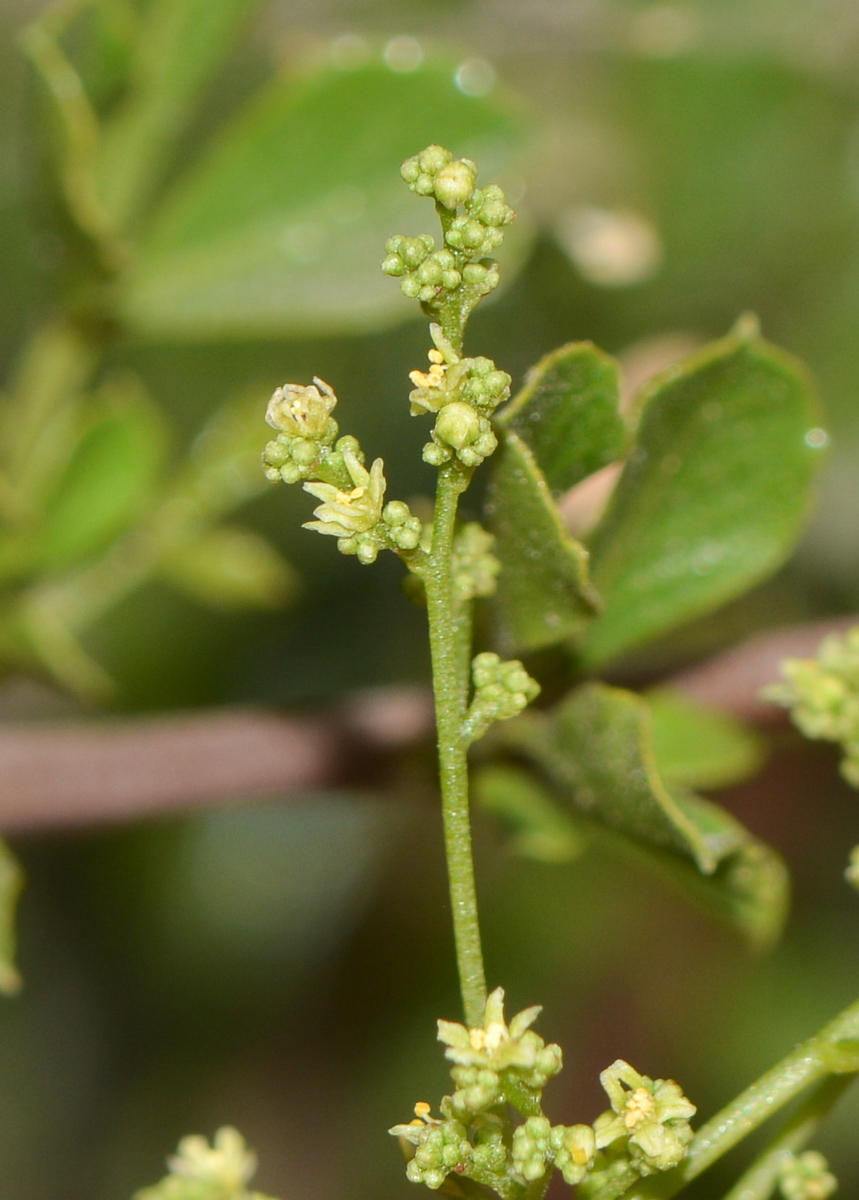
477, 1037
348, 497
436, 356
638, 1107
422, 1109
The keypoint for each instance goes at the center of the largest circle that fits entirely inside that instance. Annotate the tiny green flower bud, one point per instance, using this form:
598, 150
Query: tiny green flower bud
291, 473
474, 274
367, 550
393, 265
396, 512
457, 425
451, 280
433, 158
429, 272
454, 183
806, 1177
410, 287
473, 234
435, 455
427, 294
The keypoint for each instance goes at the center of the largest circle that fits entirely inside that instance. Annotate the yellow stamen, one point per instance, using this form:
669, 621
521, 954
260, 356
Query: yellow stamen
638, 1107
422, 1109
435, 356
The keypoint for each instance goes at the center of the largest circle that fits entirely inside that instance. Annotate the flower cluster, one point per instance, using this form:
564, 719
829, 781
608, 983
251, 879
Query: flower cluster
806, 1177
823, 695
200, 1171
463, 392
307, 447
355, 515
537, 1145
501, 691
459, 266
499, 1064
474, 568
649, 1118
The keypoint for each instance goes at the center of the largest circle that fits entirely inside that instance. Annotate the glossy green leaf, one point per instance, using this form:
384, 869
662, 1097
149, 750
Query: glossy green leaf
713, 495
541, 829
177, 47
567, 414
230, 567
282, 225
698, 746
596, 749
544, 594
11, 882
108, 480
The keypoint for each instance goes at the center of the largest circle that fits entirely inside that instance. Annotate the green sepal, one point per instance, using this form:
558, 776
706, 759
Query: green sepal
568, 414
713, 494
596, 749
698, 746
544, 592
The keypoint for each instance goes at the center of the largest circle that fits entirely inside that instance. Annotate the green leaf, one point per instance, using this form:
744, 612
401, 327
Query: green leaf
282, 225
698, 746
11, 882
567, 414
713, 495
541, 829
178, 46
544, 594
596, 749
109, 479
230, 567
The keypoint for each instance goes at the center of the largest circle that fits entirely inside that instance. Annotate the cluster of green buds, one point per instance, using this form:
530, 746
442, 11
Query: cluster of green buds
199, 1171
823, 696
464, 392
352, 509
501, 691
538, 1145
474, 568
496, 1065
473, 221
806, 1177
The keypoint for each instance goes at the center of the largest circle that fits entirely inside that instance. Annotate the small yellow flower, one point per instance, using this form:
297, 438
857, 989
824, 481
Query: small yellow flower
344, 513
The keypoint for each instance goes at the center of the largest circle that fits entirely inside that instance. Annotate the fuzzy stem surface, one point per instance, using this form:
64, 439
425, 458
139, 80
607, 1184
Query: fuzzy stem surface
449, 628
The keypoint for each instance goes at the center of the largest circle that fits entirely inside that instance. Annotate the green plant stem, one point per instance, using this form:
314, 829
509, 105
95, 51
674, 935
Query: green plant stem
759, 1182
449, 628
811, 1062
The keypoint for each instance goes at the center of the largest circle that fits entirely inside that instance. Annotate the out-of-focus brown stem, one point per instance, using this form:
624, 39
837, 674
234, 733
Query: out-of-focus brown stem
56, 774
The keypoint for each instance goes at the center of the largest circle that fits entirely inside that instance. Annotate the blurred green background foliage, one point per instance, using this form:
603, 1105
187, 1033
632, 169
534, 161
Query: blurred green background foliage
281, 966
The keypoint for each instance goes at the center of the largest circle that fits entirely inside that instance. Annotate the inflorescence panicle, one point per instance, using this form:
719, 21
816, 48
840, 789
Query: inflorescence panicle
496, 1065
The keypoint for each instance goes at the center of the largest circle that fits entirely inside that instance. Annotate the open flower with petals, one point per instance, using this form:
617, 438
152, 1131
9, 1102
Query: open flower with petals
501, 1048
345, 512
301, 411
652, 1114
